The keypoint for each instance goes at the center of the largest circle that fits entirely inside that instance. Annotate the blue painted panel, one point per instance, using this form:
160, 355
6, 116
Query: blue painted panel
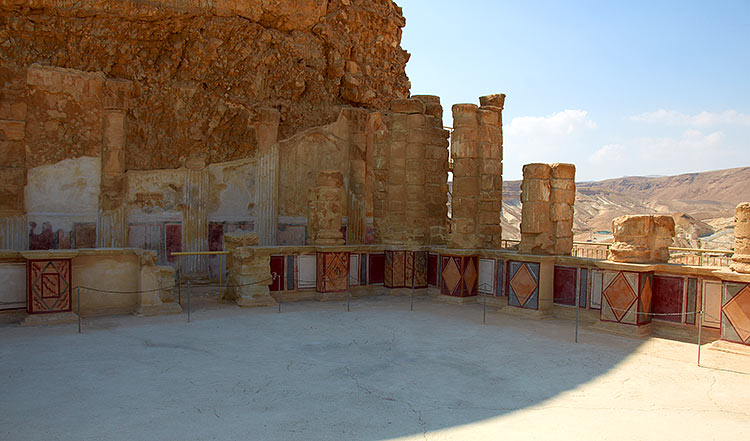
290, 273
499, 285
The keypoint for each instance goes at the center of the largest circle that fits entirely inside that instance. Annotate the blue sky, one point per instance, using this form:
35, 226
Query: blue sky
617, 88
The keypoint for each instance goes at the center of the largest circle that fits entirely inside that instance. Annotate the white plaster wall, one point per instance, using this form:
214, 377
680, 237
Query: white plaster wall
64, 193
169, 185
232, 191
12, 285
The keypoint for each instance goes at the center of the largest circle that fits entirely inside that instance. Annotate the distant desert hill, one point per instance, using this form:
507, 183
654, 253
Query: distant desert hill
702, 204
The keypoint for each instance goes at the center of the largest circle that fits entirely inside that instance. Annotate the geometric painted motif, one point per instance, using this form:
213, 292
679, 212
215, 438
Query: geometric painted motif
735, 325
523, 285
646, 299
459, 276
332, 271
49, 286
404, 268
619, 295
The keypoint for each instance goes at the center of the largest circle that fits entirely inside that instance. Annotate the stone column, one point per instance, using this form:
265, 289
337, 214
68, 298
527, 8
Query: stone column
435, 165
477, 151
547, 198
267, 195
741, 257
326, 202
111, 229
14, 234
466, 176
195, 215
381, 162
641, 238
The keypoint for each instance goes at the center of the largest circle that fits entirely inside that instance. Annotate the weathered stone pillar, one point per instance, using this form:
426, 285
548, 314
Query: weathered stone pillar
547, 198
741, 257
356, 204
326, 202
249, 270
641, 238
195, 215
435, 165
14, 234
466, 176
111, 229
155, 285
477, 151
267, 194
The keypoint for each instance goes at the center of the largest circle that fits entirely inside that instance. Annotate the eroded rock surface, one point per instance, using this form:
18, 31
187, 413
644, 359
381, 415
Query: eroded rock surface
202, 70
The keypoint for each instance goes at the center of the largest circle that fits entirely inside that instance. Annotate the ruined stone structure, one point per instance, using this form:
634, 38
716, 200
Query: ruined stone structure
741, 257
477, 151
548, 196
249, 271
326, 208
642, 238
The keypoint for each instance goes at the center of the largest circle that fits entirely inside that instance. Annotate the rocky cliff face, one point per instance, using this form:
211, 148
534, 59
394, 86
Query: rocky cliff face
202, 69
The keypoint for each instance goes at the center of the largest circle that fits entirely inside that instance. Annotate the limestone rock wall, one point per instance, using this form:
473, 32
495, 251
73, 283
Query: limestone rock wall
548, 195
741, 257
642, 238
201, 70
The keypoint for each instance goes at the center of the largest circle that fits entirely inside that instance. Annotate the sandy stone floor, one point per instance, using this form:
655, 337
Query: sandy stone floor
316, 372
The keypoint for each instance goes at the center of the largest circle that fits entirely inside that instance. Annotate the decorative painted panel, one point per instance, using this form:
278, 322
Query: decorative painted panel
597, 281
500, 272
363, 269
376, 267
306, 269
289, 273
277, 266
565, 282
735, 313
402, 266
692, 301
49, 286
668, 292
712, 294
354, 274
583, 288
173, 240
626, 297
486, 276
459, 275
523, 284
332, 271
432, 270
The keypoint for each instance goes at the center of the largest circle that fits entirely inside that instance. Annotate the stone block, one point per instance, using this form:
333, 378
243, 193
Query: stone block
489, 117
488, 218
12, 154
563, 184
415, 121
398, 150
465, 186
415, 151
12, 130
537, 171
561, 212
563, 171
490, 134
562, 196
13, 177
466, 167
465, 225
641, 238
535, 190
742, 221
563, 246
535, 217
464, 207
465, 115
492, 167
408, 105
494, 100
12, 110
564, 228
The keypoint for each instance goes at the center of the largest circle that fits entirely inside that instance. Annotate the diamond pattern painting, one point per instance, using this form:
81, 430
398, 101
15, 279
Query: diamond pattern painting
735, 313
523, 285
49, 286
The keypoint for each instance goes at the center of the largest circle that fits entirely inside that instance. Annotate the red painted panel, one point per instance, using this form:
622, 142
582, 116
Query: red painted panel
667, 298
215, 236
377, 268
432, 270
565, 285
44, 240
277, 266
173, 233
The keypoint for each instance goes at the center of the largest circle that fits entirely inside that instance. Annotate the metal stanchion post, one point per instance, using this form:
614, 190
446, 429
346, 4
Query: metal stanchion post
347, 292
278, 290
221, 270
188, 300
179, 276
78, 290
484, 307
700, 328
577, 308
411, 307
